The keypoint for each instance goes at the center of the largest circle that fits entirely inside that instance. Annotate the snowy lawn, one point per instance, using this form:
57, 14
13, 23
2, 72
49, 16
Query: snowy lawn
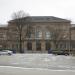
7, 70
37, 64
45, 61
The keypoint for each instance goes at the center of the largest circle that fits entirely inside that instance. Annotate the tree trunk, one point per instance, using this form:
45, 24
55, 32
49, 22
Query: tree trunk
20, 44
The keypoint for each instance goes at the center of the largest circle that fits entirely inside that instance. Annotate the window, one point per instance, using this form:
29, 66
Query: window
2, 36
62, 45
72, 44
38, 34
29, 35
48, 35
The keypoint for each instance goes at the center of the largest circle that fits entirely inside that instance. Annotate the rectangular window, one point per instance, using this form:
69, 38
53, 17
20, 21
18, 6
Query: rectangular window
48, 35
29, 35
38, 34
73, 44
2, 36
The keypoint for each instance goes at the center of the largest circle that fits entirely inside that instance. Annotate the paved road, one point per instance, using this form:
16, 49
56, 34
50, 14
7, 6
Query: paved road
32, 71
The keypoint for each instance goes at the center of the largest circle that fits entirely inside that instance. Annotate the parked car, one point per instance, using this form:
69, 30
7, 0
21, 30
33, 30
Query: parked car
60, 52
6, 52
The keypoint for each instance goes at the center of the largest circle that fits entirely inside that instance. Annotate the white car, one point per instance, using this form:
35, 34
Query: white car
6, 52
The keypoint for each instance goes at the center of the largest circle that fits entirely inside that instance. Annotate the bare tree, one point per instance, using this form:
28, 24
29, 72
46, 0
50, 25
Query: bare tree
58, 35
19, 14
21, 20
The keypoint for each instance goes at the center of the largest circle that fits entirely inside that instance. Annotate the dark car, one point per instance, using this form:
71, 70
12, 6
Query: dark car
59, 52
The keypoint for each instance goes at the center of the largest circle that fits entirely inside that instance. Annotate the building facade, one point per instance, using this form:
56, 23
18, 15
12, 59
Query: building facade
45, 33
3, 36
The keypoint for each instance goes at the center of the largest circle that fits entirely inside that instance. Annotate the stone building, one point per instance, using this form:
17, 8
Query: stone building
72, 39
3, 36
39, 34
48, 32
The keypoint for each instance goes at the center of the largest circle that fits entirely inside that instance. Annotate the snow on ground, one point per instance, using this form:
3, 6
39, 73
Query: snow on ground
7, 70
44, 61
37, 64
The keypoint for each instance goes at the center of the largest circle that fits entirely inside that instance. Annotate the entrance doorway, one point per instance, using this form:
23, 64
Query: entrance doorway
29, 45
38, 45
48, 45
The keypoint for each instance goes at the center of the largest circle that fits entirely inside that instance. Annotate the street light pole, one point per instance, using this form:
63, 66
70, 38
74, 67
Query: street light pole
69, 40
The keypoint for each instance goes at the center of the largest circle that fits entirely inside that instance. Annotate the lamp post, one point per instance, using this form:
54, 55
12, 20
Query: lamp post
69, 40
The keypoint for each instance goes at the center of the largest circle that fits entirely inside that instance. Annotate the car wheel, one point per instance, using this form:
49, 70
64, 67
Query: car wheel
9, 53
66, 54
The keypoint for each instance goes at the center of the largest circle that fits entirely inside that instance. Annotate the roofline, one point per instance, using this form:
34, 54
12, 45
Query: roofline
65, 20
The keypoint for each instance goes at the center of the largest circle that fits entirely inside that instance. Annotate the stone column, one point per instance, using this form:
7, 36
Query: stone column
43, 46
52, 45
25, 46
34, 46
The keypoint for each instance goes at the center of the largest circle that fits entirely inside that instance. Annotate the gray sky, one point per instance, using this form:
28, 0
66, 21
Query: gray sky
59, 8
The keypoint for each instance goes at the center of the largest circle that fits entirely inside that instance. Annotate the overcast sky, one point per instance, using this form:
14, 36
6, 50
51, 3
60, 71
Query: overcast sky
59, 8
